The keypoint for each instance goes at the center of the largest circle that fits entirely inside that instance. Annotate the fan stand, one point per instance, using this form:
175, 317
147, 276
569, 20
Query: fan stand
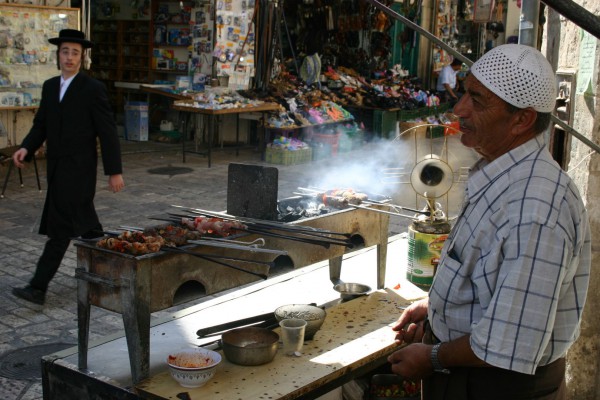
431, 178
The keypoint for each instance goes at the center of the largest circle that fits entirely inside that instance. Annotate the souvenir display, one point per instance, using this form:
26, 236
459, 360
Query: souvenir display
26, 56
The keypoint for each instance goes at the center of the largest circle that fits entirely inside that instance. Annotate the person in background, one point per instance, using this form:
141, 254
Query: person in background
447, 84
506, 302
74, 111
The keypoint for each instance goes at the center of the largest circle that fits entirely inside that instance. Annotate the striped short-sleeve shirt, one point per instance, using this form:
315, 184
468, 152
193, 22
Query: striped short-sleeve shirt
514, 271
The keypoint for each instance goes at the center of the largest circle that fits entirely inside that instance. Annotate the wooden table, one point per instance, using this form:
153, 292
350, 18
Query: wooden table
212, 114
355, 338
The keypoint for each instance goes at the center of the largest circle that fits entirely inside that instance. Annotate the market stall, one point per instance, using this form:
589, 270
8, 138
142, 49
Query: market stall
132, 273
331, 363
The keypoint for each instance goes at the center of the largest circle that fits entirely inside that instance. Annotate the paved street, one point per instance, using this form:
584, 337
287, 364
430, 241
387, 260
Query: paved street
24, 325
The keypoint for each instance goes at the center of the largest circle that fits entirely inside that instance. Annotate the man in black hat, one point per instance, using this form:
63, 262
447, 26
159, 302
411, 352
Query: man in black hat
74, 112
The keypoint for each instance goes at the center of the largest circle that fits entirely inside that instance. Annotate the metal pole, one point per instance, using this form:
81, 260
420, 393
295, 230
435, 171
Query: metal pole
567, 128
529, 22
576, 14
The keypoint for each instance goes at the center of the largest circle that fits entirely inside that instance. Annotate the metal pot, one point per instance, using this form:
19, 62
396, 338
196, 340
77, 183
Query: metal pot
250, 345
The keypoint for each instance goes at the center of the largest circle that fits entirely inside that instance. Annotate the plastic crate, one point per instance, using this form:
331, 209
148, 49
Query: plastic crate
442, 108
322, 151
346, 143
282, 156
385, 123
435, 131
411, 115
411, 129
332, 140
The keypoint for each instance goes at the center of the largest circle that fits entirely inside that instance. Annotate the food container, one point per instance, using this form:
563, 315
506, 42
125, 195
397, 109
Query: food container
250, 345
393, 387
194, 367
349, 291
313, 315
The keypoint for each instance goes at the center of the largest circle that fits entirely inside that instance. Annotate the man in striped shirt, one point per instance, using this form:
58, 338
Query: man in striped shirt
507, 298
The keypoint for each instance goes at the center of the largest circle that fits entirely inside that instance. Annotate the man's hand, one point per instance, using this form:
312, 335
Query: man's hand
19, 156
412, 361
116, 183
410, 324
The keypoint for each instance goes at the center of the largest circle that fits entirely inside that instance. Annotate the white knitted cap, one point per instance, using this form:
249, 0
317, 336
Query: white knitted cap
519, 75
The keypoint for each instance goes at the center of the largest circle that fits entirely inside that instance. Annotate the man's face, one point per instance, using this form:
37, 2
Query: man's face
485, 120
70, 56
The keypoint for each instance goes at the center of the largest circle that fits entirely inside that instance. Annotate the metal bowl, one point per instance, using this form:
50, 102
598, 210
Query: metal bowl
313, 315
349, 291
250, 345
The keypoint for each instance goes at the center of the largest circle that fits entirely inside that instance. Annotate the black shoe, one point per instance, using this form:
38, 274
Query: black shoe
30, 294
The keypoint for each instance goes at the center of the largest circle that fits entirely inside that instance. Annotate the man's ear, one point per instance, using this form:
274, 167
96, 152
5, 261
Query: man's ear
523, 121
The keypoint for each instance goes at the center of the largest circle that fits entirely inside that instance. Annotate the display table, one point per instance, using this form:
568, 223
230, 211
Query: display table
163, 90
211, 114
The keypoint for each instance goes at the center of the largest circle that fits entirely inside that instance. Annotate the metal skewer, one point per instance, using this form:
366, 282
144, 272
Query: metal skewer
382, 211
273, 224
215, 260
319, 242
395, 206
314, 238
207, 242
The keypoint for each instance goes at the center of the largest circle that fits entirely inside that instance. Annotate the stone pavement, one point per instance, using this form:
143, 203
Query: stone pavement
23, 324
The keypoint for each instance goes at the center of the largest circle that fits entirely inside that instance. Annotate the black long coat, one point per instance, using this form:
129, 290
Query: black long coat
70, 128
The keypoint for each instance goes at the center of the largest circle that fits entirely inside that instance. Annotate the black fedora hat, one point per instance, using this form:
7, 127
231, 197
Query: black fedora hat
71, 36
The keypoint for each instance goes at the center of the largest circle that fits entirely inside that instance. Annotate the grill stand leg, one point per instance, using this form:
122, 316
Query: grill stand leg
83, 322
135, 310
381, 263
382, 247
136, 319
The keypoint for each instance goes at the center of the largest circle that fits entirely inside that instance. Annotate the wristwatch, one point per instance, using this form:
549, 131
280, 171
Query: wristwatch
437, 366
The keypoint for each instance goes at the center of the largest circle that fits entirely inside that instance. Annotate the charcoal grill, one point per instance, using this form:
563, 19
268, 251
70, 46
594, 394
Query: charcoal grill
136, 286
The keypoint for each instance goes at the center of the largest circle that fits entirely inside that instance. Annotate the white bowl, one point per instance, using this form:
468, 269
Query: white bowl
193, 367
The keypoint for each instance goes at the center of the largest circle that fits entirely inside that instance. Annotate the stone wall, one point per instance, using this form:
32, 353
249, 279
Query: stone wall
561, 44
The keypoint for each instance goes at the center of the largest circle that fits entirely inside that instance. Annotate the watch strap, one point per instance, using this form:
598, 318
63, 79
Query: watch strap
435, 361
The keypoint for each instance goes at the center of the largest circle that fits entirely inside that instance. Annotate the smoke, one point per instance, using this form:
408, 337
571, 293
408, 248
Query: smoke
383, 167
379, 167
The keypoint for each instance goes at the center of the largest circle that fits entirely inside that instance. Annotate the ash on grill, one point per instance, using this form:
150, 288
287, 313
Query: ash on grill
312, 203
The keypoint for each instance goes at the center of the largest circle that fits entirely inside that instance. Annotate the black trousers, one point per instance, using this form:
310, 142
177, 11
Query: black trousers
54, 252
489, 383
48, 264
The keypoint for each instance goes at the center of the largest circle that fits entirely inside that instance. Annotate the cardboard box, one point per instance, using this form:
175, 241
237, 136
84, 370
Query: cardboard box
136, 121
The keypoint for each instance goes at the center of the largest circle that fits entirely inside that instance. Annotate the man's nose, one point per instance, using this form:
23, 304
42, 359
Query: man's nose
459, 108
